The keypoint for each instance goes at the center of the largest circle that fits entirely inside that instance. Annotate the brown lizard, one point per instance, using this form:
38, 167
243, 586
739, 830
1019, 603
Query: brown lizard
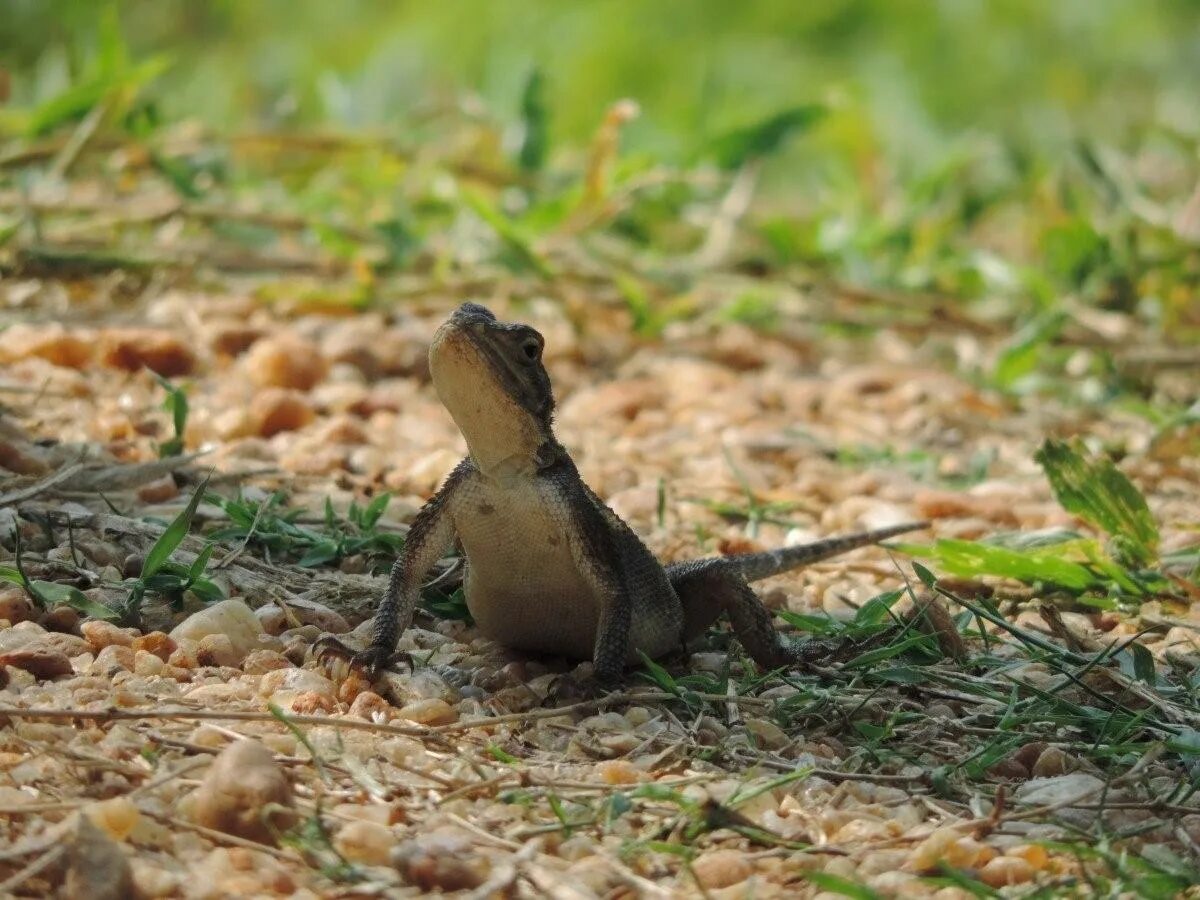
549, 567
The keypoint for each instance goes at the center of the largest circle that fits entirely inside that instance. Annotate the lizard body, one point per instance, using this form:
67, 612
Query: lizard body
549, 567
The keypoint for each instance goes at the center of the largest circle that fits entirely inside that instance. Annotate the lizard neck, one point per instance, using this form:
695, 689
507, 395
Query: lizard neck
505, 455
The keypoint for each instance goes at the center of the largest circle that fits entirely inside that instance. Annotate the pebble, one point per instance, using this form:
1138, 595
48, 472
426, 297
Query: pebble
285, 362
96, 867
131, 349
431, 711
275, 410
15, 606
231, 618
116, 817
157, 643
113, 657
104, 634
39, 660
259, 662
243, 780
366, 842
1004, 871
721, 868
217, 650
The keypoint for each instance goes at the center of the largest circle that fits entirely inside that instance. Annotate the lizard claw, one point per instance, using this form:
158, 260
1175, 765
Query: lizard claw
374, 659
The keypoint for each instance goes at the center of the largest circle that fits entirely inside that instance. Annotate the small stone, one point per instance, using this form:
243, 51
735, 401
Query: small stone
273, 619
768, 733
286, 362
370, 707
134, 348
155, 642
1061, 789
115, 817
217, 650
1004, 871
259, 662
61, 619
275, 410
432, 711
100, 634
51, 342
243, 781
146, 663
366, 842
1054, 761
161, 490
294, 680
619, 771
39, 660
231, 618
721, 868
951, 847
96, 867
15, 606
113, 657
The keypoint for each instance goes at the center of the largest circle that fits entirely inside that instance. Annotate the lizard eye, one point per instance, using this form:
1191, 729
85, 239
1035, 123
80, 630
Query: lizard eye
532, 348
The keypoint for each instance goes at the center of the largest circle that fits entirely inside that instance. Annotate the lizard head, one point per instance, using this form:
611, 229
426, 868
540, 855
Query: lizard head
489, 375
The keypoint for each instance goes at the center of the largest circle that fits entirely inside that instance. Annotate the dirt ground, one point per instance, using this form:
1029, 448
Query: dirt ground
119, 769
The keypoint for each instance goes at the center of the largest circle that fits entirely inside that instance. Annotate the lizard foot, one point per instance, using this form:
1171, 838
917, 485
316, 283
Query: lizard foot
574, 686
330, 651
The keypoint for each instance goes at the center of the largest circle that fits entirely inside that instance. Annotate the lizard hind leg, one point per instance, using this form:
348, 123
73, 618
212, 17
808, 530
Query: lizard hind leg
707, 588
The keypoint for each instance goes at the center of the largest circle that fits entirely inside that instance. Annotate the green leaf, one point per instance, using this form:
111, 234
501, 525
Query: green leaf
1021, 353
1098, 492
519, 244
53, 594
319, 554
835, 884
763, 138
201, 562
375, 510
535, 119
967, 559
1143, 663
174, 534
876, 609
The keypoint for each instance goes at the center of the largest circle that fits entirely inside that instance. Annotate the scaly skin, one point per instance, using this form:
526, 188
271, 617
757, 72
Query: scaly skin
550, 568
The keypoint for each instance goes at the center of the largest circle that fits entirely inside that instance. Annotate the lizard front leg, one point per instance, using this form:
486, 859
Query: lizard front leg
429, 537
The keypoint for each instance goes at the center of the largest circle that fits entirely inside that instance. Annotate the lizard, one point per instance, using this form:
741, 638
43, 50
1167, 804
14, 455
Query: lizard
549, 567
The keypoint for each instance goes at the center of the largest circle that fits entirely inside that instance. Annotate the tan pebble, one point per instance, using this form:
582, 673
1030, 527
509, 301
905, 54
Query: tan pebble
234, 338
115, 817
949, 846
353, 681
153, 882
104, 634
208, 736
61, 619
39, 660
309, 703
287, 362
721, 868
15, 606
768, 733
96, 867
259, 662
1054, 761
231, 618
158, 491
619, 771
881, 861
365, 842
294, 679
134, 348
114, 656
370, 707
1004, 871
51, 342
276, 410
431, 711
155, 642
864, 829
1034, 854
241, 791
146, 663
216, 650
184, 657
273, 619
176, 673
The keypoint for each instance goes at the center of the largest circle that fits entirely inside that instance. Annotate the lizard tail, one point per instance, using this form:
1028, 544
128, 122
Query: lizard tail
754, 566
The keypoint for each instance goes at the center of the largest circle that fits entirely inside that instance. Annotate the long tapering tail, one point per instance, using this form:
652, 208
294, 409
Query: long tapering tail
754, 566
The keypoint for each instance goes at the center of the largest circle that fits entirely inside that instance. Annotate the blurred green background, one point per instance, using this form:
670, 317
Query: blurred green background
919, 71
